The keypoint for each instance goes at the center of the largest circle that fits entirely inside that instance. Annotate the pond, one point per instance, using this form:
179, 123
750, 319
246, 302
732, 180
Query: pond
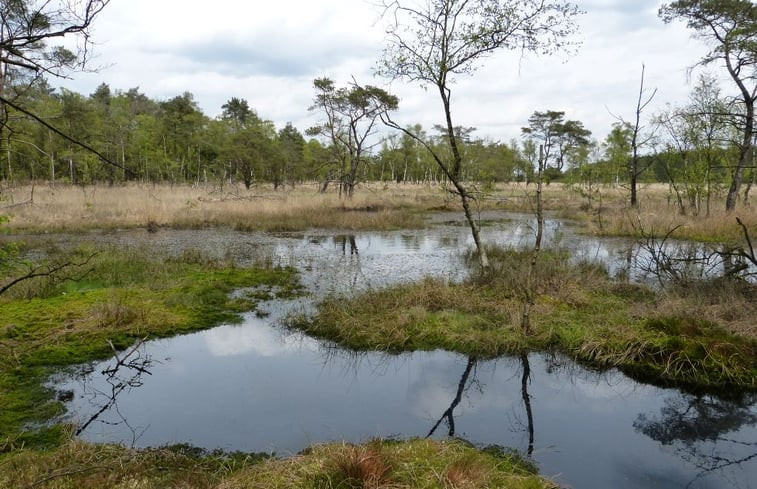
258, 387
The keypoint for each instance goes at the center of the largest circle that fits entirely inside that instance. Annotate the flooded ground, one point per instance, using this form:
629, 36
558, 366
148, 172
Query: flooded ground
258, 387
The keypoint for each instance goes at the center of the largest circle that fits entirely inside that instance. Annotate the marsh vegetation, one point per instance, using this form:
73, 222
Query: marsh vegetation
694, 330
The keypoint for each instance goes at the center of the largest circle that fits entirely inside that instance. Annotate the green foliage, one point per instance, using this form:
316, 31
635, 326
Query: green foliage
349, 115
562, 140
696, 152
730, 27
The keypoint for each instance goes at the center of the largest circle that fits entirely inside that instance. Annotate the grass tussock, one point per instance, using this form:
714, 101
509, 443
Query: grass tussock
699, 336
375, 464
124, 297
80, 465
391, 464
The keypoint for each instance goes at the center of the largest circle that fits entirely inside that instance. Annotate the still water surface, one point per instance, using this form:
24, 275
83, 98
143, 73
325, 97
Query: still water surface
257, 387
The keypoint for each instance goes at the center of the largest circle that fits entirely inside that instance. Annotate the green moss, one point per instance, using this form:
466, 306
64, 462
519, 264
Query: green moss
127, 297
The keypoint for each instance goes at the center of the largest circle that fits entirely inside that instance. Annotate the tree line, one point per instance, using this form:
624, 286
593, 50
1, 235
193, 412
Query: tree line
702, 149
173, 141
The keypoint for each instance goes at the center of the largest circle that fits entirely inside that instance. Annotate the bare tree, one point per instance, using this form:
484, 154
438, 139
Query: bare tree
432, 41
638, 138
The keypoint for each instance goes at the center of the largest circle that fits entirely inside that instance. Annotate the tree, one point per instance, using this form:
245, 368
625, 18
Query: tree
696, 138
350, 114
560, 138
237, 111
181, 121
730, 27
639, 139
617, 149
432, 41
292, 148
27, 28
249, 144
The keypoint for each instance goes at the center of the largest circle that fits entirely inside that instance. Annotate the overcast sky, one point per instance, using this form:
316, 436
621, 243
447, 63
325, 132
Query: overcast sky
270, 52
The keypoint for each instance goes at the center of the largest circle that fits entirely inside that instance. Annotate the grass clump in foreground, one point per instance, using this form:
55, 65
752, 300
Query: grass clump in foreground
699, 335
376, 464
120, 297
80, 465
391, 464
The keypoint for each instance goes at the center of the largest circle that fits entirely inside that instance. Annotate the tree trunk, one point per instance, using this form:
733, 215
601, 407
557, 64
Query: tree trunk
454, 176
746, 153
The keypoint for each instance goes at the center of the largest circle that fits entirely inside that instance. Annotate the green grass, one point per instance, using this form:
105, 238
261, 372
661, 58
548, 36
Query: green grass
389, 464
125, 297
80, 465
675, 337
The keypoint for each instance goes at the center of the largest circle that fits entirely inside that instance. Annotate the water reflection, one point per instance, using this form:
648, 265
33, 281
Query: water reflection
524, 383
716, 436
449, 413
256, 387
467, 381
294, 391
124, 373
343, 240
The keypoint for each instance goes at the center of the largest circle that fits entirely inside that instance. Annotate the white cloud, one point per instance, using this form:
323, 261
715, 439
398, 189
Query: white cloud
270, 52
255, 336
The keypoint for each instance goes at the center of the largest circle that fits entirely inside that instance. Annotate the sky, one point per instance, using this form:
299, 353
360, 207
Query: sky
270, 52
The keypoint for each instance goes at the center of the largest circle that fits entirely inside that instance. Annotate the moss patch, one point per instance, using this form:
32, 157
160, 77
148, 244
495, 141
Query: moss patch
126, 297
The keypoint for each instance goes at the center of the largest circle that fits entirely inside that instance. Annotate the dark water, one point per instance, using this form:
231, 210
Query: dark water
257, 387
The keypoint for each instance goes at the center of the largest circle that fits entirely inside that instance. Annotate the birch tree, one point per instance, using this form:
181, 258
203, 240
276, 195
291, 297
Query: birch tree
430, 42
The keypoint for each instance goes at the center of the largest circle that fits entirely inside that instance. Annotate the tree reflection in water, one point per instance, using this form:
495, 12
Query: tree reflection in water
525, 381
698, 427
462, 387
449, 414
122, 375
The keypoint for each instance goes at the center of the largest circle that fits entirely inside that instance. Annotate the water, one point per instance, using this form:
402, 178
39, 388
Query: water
257, 387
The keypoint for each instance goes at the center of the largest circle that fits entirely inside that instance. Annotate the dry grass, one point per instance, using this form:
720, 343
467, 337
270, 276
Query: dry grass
375, 206
373, 465
74, 208
80, 465
718, 227
657, 212
731, 304
396, 465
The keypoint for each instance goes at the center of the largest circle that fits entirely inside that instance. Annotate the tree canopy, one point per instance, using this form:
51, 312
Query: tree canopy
730, 28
